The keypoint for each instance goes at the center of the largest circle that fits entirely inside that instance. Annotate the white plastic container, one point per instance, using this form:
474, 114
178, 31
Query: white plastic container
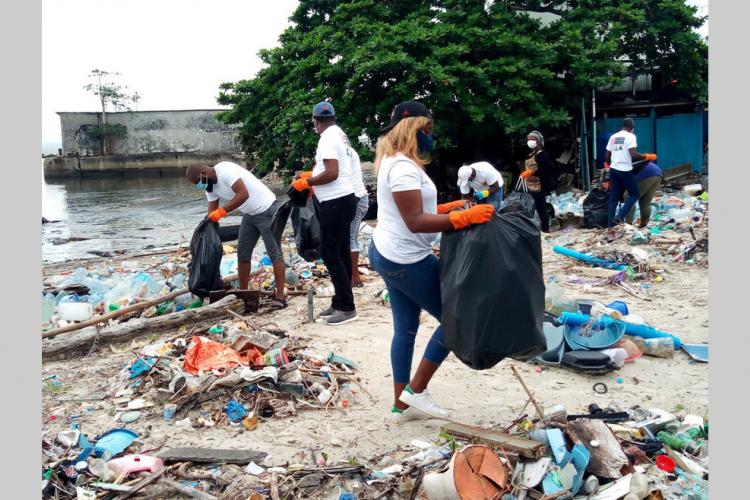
74, 311
617, 356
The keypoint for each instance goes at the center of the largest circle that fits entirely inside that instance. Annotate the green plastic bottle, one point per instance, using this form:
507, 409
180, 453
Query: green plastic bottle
679, 443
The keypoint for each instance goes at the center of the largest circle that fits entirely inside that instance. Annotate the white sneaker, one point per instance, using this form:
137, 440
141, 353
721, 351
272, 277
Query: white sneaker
407, 415
423, 402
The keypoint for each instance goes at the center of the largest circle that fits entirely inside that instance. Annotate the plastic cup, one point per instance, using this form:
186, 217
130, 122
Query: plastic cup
169, 411
666, 464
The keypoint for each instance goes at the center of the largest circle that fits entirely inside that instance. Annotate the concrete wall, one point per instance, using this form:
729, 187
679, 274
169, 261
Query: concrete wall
62, 166
195, 131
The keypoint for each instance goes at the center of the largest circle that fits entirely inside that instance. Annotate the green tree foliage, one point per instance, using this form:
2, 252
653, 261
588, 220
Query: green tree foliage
486, 69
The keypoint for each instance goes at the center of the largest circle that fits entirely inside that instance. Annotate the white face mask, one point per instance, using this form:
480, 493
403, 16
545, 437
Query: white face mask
531, 144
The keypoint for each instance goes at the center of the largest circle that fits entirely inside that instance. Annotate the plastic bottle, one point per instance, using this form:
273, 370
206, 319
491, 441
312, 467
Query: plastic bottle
679, 443
347, 396
679, 215
662, 347
100, 469
48, 307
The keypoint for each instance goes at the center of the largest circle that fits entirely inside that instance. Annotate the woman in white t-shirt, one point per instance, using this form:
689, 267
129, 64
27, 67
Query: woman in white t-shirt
401, 251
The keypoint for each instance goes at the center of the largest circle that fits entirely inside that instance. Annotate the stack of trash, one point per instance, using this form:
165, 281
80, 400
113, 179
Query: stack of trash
589, 336
234, 374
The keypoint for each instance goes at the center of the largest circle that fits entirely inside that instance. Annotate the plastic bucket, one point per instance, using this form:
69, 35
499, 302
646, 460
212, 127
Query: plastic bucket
441, 486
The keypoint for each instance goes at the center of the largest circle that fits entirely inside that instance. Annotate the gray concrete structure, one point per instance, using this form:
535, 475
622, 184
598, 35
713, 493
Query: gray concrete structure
150, 132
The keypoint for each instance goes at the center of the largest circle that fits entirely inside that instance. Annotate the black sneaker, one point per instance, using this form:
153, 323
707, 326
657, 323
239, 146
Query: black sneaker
327, 313
341, 317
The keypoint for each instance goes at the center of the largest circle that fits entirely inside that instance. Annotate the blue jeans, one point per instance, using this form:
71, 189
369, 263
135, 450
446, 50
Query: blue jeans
619, 182
412, 288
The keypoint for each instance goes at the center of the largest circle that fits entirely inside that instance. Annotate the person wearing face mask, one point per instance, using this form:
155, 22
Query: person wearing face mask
334, 191
621, 151
240, 190
540, 176
486, 182
409, 218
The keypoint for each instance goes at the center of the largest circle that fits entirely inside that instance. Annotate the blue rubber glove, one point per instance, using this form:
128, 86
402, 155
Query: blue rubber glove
480, 195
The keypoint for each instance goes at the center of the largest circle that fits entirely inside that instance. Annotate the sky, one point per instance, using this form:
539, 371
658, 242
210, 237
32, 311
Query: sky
174, 53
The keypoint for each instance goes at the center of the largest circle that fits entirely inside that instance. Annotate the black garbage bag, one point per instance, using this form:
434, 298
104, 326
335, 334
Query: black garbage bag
298, 198
493, 289
521, 201
307, 230
232, 233
280, 219
596, 209
206, 251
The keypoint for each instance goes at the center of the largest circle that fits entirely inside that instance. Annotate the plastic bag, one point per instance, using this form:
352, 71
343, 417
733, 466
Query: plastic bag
492, 289
280, 219
521, 201
204, 354
307, 230
298, 198
596, 209
206, 252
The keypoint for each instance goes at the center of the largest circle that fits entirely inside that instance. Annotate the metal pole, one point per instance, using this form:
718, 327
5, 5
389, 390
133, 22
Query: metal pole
309, 305
585, 173
593, 124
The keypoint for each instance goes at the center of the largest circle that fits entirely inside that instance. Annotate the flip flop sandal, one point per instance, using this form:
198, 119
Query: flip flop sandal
277, 303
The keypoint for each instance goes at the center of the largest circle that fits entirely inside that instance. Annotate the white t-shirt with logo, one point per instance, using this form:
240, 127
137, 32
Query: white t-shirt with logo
486, 176
334, 145
259, 199
392, 238
619, 145
358, 183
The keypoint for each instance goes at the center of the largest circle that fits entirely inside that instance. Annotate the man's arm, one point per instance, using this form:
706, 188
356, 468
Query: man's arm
494, 188
635, 155
240, 197
329, 174
213, 205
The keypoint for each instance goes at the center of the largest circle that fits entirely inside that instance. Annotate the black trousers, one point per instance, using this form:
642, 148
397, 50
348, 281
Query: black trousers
541, 210
335, 218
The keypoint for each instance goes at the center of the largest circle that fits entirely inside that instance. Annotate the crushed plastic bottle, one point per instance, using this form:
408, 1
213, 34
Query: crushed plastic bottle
48, 307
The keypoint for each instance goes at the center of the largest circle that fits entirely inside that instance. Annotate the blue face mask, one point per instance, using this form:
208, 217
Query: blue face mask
202, 183
425, 143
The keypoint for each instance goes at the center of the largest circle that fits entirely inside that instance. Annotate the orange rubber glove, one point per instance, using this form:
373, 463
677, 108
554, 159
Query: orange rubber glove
525, 174
444, 208
217, 214
300, 185
478, 214
305, 175
649, 157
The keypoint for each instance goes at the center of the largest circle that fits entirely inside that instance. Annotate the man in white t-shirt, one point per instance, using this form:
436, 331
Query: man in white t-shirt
240, 190
331, 180
621, 151
486, 182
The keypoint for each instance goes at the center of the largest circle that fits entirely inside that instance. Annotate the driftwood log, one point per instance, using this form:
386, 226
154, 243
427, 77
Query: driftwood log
80, 342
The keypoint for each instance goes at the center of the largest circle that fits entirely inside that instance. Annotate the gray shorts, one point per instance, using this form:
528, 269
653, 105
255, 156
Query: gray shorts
362, 205
257, 226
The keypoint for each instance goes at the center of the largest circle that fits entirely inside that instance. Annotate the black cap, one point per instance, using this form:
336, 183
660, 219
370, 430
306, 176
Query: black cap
407, 109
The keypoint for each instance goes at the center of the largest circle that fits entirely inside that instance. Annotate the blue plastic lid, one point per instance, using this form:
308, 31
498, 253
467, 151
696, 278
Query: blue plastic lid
114, 441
